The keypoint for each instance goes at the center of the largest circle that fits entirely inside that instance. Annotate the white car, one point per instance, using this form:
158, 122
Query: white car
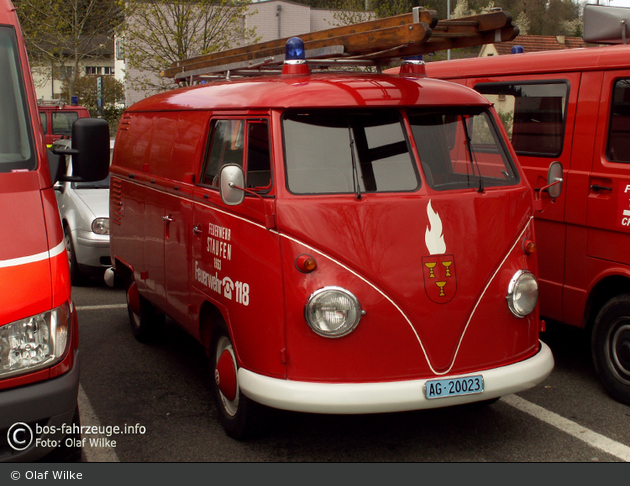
84, 210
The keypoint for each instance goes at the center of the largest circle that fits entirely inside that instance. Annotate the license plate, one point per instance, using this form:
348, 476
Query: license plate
453, 387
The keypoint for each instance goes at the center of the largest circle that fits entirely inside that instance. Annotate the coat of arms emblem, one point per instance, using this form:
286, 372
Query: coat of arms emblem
440, 281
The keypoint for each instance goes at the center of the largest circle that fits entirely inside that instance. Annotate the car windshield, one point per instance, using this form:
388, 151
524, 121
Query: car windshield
347, 151
461, 149
16, 139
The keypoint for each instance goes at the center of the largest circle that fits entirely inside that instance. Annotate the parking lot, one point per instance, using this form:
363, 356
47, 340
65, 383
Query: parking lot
160, 395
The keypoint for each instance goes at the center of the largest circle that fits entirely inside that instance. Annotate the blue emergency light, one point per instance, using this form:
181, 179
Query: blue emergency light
294, 49
413, 66
295, 58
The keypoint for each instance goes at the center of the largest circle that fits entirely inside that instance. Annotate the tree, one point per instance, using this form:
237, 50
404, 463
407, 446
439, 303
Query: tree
85, 88
61, 34
159, 33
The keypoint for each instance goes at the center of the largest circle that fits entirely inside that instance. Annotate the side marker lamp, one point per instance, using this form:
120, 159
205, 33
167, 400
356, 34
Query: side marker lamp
529, 246
305, 263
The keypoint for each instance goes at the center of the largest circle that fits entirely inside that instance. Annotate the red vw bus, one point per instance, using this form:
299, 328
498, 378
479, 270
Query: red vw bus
39, 357
340, 242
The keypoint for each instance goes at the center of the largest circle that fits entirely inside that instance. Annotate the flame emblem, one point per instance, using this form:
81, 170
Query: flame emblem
440, 281
433, 237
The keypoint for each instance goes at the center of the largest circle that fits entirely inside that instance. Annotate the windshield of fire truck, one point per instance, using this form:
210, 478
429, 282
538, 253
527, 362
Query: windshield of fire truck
461, 149
16, 144
347, 151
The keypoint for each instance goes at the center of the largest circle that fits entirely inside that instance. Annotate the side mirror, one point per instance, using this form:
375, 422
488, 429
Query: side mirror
554, 180
553, 187
90, 151
231, 183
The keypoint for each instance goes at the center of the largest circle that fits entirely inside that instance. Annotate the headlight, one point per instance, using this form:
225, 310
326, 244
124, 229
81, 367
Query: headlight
100, 226
35, 342
333, 312
522, 293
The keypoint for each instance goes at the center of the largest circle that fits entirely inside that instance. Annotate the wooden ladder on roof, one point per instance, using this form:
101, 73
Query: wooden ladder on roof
376, 42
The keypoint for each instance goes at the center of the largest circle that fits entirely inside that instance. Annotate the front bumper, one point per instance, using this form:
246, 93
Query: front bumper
49, 403
92, 250
398, 396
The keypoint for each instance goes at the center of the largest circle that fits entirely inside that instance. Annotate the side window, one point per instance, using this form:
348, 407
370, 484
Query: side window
226, 147
42, 118
258, 174
242, 142
533, 114
618, 149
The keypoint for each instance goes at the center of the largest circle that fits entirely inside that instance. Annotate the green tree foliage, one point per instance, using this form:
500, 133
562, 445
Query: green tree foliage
159, 33
62, 34
112, 101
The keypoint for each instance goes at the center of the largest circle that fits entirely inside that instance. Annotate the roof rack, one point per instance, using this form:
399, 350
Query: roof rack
43, 102
373, 43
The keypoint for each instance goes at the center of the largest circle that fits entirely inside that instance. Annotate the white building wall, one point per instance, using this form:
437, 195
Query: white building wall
48, 88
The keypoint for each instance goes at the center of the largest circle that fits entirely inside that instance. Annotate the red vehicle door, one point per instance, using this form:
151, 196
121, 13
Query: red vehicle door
608, 203
235, 257
538, 114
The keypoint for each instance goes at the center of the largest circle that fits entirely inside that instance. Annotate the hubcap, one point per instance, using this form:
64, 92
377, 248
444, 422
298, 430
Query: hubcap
230, 406
618, 349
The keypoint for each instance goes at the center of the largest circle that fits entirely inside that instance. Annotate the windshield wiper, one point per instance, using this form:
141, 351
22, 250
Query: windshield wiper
355, 170
473, 159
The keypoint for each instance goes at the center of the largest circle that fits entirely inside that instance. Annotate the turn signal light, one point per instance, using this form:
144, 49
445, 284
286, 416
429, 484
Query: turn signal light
305, 263
529, 247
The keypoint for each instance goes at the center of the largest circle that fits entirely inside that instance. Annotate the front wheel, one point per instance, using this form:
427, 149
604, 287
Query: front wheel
76, 277
237, 413
611, 347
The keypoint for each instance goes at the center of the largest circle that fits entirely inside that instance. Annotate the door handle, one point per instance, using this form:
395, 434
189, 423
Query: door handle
168, 219
597, 188
197, 229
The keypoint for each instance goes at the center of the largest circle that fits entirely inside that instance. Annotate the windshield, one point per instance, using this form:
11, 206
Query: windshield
16, 152
461, 149
347, 151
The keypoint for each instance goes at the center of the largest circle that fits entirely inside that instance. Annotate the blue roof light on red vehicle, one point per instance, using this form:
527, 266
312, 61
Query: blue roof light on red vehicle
294, 49
413, 66
295, 58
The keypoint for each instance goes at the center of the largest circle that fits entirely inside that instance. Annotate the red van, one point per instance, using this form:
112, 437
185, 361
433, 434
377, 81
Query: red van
573, 106
340, 242
39, 357
57, 118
